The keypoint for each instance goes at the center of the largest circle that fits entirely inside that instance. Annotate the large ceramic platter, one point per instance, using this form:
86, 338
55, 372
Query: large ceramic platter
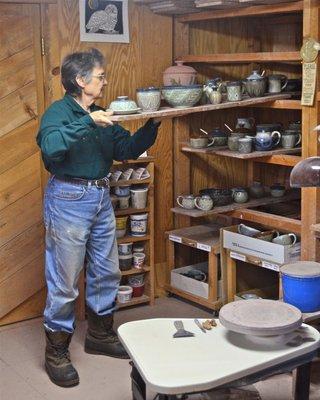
260, 317
126, 112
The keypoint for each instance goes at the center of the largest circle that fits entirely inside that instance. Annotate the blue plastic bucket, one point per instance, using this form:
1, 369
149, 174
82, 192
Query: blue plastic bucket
301, 285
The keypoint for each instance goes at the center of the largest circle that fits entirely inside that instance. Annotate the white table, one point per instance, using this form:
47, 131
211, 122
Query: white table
171, 366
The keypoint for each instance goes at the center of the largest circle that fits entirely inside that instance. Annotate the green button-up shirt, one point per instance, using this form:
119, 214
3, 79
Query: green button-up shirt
73, 146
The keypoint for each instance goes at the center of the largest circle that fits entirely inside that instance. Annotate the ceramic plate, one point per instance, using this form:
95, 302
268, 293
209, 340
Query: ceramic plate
126, 112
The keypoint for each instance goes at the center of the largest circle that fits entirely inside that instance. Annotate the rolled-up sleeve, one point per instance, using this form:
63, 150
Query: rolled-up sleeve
127, 146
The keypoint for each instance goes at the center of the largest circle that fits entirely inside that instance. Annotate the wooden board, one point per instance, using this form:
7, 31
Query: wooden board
234, 58
257, 154
236, 206
169, 112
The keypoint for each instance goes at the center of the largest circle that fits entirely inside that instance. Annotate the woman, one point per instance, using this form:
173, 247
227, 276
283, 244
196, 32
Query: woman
79, 142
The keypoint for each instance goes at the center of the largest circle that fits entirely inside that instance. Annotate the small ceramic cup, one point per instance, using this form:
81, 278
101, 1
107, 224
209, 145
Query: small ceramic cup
289, 141
204, 202
286, 239
233, 143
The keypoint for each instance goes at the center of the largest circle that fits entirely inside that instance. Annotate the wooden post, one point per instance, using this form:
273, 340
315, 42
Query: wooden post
310, 203
231, 277
213, 276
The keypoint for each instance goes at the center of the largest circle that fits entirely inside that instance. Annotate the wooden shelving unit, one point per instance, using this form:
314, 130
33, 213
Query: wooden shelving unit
148, 240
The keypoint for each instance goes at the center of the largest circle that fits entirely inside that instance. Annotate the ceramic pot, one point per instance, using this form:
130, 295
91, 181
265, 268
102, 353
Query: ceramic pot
179, 74
114, 201
139, 224
269, 127
245, 123
125, 249
256, 190
149, 99
122, 190
213, 92
139, 197
276, 83
138, 260
125, 262
233, 142
122, 104
264, 141
186, 201
219, 137
121, 226
182, 96
137, 290
124, 202
124, 294
240, 195
204, 203
255, 84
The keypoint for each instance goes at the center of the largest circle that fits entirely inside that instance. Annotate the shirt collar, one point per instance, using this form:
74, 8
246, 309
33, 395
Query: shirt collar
76, 106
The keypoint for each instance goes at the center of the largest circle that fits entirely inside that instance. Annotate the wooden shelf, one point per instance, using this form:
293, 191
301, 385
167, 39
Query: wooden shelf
123, 182
137, 161
129, 239
134, 301
179, 112
225, 152
236, 206
214, 305
134, 271
244, 12
243, 58
272, 220
129, 211
199, 236
281, 105
257, 154
284, 159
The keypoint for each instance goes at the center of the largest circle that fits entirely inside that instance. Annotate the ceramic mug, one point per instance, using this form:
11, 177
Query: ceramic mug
286, 239
204, 202
267, 236
139, 197
235, 91
275, 83
138, 260
139, 224
187, 201
201, 142
289, 141
125, 249
245, 145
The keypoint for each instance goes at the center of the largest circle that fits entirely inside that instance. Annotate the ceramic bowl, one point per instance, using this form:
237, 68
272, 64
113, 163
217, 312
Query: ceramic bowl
220, 197
125, 262
182, 96
149, 98
277, 190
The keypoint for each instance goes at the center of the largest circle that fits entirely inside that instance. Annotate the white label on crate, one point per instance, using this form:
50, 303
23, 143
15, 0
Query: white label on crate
238, 256
204, 247
269, 265
175, 239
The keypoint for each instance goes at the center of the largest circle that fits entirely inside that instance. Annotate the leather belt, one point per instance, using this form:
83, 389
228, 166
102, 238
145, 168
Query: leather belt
100, 183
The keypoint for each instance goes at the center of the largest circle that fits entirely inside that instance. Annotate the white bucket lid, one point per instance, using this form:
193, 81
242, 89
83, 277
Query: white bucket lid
303, 269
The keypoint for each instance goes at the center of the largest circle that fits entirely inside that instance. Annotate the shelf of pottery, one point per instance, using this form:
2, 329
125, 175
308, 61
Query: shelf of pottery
132, 196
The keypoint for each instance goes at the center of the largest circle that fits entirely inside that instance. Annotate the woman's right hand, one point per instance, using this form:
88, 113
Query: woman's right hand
102, 118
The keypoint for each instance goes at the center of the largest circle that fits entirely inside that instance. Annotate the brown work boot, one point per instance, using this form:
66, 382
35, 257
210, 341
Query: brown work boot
57, 359
101, 338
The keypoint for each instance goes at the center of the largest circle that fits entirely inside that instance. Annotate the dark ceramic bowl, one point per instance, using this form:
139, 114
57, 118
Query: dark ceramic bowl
269, 127
220, 197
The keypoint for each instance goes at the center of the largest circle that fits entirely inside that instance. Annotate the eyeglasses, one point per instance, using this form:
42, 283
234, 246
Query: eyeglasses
100, 77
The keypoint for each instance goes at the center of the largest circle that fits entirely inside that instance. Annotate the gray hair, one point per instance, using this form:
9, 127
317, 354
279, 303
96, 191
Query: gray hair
79, 64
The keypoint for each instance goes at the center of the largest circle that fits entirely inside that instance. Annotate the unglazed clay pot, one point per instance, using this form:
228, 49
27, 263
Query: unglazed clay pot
179, 75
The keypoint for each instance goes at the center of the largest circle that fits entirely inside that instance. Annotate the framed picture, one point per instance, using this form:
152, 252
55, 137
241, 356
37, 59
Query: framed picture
104, 21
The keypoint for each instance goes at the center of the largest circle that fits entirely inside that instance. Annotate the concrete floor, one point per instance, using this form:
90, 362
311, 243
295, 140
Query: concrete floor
22, 376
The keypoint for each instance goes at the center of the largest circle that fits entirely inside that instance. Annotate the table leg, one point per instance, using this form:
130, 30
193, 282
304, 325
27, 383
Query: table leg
138, 385
302, 384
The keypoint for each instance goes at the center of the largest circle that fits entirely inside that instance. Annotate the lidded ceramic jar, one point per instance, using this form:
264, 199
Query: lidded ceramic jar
220, 138
179, 75
255, 84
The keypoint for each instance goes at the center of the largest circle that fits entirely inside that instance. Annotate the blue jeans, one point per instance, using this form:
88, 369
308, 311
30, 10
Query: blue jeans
80, 224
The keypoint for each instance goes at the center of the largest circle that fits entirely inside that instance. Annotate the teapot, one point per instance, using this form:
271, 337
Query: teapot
255, 84
266, 140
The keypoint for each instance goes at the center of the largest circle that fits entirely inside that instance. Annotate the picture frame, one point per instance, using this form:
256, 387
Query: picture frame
104, 21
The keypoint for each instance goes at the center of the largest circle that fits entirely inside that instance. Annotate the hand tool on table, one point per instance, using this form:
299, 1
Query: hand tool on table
198, 323
181, 332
